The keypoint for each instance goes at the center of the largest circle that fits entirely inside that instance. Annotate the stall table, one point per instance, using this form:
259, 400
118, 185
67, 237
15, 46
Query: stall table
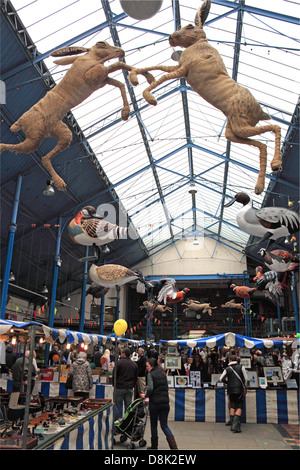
276, 405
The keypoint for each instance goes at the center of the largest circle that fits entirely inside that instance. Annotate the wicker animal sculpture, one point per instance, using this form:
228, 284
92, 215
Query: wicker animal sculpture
203, 68
86, 75
155, 307
196, 306
233, 304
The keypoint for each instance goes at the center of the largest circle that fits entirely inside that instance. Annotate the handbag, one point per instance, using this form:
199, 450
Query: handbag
69, 382
244, 386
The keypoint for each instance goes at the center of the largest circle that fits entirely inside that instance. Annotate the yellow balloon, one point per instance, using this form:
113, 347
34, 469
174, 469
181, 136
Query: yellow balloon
120, 326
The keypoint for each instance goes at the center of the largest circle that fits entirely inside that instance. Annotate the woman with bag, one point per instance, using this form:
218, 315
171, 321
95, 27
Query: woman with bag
158, 394
235, 376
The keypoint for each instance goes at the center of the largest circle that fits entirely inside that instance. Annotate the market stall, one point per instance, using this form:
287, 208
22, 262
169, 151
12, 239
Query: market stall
269, 398
69, 429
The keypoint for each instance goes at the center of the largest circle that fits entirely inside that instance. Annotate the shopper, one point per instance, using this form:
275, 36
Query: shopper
82, 378
159, 407
235, 376
10, 357
97, 356
141, 363
125, 379
20, 373
105, 360
198, 364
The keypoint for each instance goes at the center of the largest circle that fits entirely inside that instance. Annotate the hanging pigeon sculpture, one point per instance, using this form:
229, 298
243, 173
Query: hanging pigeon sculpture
268, 222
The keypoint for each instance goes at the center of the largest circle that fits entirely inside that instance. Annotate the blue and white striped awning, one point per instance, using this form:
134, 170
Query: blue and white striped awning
69, 336
225, 339
64, 335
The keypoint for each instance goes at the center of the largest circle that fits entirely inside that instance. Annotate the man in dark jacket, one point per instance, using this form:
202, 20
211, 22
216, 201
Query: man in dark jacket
125, 376
235, 376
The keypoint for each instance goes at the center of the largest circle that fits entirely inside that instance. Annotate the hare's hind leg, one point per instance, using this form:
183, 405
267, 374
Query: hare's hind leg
63, 136
233, 137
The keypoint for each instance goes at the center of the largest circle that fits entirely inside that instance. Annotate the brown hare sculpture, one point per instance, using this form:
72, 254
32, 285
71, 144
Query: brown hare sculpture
203, 68
86, 75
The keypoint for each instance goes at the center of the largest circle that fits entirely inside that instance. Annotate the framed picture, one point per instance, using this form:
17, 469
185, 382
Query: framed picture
172, 350
262, 381
245, 352
273, 374
214, 378
181, 381
172, 362
246, 362
170, 380
195, 378
252, 379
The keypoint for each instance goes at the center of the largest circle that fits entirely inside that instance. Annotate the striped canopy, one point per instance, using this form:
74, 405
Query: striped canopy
225, 339
69, 336
62, 335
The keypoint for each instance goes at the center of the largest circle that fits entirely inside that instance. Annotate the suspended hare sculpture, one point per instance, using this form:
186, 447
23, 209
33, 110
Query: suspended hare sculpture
86, 75
202, 67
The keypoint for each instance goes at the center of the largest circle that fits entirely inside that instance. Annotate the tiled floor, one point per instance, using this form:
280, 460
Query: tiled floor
217, 436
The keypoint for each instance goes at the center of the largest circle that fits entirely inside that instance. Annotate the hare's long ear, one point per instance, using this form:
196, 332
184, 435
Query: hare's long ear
66, 60
202, 13
68, 51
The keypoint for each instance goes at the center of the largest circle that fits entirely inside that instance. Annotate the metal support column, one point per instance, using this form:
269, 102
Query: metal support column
57, 263
32, 333
83, 292
175, 321
102, 314
278, 315
10, 244
118, 303
295, 300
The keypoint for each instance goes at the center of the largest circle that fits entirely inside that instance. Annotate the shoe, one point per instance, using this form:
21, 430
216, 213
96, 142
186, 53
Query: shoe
154, 443
230, 421
236, 425
172, 442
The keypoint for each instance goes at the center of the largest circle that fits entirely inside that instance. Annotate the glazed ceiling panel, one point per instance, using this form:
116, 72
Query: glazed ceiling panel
151, 158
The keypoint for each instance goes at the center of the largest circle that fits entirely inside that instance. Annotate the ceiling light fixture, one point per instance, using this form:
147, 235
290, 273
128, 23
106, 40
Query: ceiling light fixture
49, 190
192, 188
44, 289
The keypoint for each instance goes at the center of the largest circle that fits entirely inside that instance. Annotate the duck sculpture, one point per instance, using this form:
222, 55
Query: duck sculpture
243, 292
269, 223
278, 260
111, 275
88, 229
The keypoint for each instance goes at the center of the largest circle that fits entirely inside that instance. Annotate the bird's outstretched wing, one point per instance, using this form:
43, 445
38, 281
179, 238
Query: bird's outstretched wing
168, 289
97, 291
277, 216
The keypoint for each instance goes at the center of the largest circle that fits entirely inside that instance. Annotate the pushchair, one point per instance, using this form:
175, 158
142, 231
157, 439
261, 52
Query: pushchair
133, 424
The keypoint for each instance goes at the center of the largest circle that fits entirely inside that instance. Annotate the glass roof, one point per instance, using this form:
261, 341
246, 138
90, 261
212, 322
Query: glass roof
149, 159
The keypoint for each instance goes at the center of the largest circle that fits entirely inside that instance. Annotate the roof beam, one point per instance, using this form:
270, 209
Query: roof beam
116, 40
236, 58
258, 11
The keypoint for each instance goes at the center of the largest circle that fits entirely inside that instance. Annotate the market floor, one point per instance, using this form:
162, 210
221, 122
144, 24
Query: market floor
217, 436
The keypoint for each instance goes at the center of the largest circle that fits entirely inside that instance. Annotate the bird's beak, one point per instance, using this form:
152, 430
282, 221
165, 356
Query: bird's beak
232, 201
